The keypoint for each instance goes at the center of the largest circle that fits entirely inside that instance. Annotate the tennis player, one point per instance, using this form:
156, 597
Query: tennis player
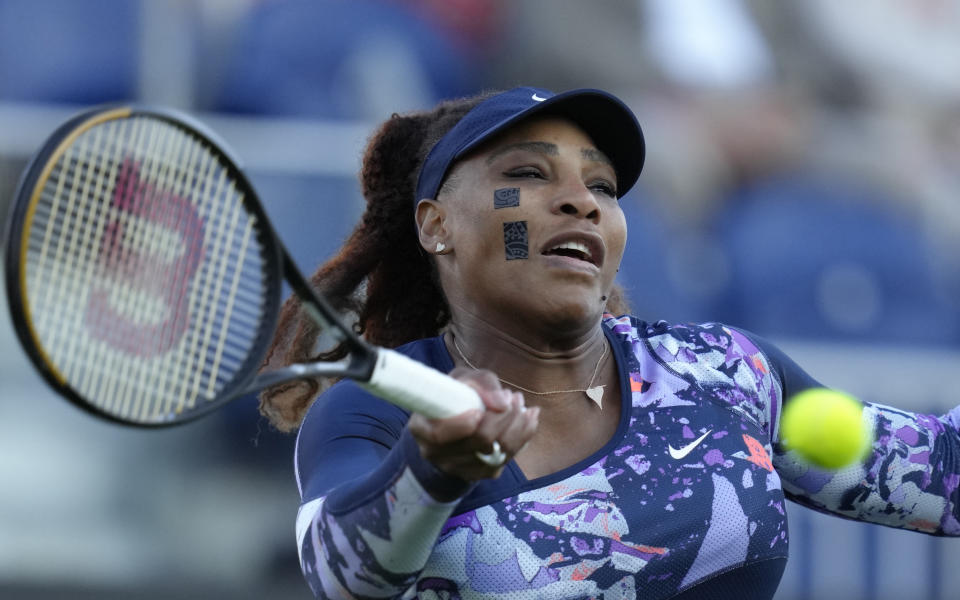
616, 458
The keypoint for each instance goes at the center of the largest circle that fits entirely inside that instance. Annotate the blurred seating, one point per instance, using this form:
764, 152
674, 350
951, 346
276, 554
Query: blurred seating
69, 51
819, 258
312, 214
473, 25
659, 270
352, 59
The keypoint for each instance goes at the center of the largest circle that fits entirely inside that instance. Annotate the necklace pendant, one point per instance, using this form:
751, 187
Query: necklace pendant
596, 394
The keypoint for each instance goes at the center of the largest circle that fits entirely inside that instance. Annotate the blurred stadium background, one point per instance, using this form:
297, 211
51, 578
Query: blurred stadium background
802, 182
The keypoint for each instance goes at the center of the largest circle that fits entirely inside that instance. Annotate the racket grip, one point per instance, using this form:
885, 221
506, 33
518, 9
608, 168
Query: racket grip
416, 387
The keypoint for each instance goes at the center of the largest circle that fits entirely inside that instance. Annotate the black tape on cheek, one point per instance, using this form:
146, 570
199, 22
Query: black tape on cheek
515, 240
506, 198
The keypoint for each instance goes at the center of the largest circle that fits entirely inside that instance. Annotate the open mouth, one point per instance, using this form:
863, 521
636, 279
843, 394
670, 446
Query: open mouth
573, 250
578, 247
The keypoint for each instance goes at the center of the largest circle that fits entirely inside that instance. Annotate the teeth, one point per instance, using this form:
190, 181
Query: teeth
578, 246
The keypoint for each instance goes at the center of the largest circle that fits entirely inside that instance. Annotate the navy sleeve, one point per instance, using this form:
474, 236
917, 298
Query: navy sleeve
344, 434
908, 480
351, 435
359, 469
793, 379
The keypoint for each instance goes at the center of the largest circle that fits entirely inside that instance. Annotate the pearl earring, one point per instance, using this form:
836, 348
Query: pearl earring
440, 247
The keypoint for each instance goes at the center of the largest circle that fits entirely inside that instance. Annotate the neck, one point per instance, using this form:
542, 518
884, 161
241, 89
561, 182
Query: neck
543, 365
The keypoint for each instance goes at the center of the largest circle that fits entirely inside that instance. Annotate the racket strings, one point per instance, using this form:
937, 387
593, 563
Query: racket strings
136, 194
121, 315
71, 251
144, 269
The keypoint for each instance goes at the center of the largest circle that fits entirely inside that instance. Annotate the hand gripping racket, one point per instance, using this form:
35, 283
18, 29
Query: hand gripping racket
144, 279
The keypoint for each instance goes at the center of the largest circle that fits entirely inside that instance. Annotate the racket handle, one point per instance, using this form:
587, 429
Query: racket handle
416, 387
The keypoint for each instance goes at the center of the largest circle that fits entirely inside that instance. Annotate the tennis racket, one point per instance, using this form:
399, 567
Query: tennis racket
144, 278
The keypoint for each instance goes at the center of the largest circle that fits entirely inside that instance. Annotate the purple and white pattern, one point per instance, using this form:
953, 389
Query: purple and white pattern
691, 489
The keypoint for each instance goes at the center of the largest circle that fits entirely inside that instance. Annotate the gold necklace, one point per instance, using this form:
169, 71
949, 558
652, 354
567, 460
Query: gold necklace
595, 393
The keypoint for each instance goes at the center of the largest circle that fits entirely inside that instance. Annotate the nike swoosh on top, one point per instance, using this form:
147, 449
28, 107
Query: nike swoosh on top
682, 452
537, 98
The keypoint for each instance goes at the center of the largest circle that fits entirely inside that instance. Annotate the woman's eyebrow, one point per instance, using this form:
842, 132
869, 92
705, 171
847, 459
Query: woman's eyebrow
596, 156
591, 154
540, 147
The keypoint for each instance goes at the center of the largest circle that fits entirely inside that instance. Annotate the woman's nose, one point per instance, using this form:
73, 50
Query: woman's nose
579, 201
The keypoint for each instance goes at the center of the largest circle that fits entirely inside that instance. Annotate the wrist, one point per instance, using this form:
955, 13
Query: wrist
442, 486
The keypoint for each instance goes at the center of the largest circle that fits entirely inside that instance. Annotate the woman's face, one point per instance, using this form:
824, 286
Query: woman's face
534, 227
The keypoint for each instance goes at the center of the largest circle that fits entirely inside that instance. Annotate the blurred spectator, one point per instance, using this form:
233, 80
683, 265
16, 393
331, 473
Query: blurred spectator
564, 44
821, 258
902, 52
807, 155
714, 45
69, 51
471, 25
347, 59
645, 271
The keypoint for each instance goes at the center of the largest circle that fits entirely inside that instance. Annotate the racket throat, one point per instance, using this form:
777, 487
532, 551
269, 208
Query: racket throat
358, 365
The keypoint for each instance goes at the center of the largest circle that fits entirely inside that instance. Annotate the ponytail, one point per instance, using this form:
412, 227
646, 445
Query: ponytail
381, 280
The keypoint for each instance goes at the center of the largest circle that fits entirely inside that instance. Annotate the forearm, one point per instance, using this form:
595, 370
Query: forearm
373, 536
909, 480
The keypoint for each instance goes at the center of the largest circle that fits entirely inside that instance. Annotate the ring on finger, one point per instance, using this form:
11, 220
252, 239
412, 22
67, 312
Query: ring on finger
495, 458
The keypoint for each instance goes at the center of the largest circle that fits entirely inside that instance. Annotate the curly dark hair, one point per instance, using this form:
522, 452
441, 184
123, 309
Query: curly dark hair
371, 277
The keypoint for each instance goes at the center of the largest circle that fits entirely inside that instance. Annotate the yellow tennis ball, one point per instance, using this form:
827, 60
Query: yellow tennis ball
825, 427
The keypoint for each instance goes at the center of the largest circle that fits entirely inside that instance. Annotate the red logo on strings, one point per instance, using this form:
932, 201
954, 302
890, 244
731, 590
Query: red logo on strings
138, 272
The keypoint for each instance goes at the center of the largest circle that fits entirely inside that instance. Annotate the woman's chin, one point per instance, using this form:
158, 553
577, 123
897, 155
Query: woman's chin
572, 311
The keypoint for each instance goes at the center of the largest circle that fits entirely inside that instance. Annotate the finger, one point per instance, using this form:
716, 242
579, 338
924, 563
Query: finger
487, 386
520, 431
460, 459
458, 456
440, 432
493, 425
469, 467
497, 401
477, 378
489, 429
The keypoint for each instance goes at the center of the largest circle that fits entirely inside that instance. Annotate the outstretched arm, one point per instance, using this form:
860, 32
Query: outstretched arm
373, 507
371, 536
909, 480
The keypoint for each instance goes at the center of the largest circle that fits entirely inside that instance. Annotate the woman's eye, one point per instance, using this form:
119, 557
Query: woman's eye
604, 188
529, 172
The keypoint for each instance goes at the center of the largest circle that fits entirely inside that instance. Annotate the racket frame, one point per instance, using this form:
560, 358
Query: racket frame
358, 365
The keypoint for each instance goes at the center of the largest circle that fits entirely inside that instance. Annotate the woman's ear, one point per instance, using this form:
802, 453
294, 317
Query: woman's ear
431, 226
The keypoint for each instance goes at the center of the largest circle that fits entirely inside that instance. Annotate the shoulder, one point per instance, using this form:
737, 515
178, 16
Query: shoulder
722, 360
349, 430
345, 406
704, 336
689, 341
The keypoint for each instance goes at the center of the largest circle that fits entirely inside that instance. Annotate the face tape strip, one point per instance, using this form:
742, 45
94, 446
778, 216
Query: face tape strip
515, 240
506, 198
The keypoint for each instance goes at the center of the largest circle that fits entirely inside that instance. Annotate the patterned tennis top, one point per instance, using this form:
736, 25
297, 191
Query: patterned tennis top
686, 500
